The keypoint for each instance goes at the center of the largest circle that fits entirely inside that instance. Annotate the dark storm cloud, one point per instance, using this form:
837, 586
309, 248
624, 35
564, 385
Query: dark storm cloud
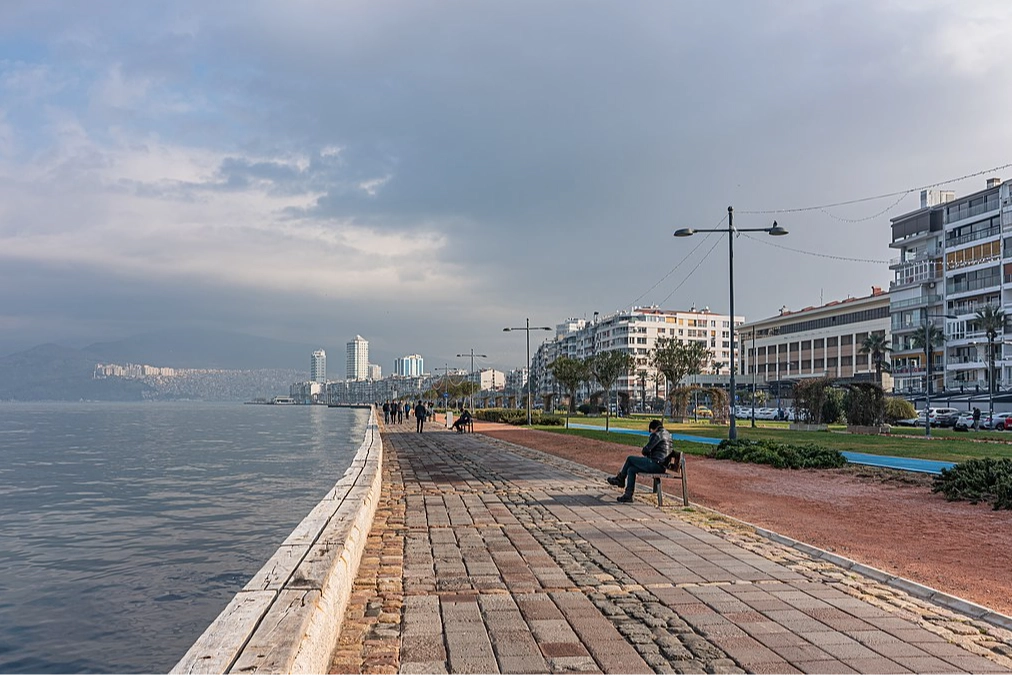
543, 153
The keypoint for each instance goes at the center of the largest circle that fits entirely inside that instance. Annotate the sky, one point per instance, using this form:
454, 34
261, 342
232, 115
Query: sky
425, 174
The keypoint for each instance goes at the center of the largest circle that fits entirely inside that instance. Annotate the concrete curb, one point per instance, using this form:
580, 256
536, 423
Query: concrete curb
287, 618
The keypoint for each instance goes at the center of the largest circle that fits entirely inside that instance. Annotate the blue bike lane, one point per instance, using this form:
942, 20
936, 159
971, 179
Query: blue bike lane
883, 461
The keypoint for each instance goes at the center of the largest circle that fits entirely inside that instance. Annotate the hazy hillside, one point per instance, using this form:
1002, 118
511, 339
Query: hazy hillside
52, 372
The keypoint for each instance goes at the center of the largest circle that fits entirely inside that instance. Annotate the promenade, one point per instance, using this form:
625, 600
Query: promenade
485, 557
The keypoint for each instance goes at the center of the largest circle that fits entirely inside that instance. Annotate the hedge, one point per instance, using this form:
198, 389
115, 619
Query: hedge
779, 455
987, 480
518, 417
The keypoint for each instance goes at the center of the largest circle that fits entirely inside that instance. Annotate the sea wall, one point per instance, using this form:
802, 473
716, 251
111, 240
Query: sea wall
288, 617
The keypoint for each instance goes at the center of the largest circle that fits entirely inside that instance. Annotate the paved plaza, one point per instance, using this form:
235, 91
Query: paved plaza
486, 557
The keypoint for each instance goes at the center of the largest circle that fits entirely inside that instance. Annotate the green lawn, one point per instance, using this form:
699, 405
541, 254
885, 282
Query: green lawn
945, 445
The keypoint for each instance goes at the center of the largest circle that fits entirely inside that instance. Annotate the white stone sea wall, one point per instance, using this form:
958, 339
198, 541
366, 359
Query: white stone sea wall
288, 617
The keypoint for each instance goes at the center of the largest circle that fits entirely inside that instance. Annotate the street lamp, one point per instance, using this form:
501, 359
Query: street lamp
928, 352
754, 369
470, 395
776, 231
528, 329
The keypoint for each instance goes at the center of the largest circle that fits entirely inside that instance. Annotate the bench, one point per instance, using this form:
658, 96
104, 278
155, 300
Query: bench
674, 460
467, 426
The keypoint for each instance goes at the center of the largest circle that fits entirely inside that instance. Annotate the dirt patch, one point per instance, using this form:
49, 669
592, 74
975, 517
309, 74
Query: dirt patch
887, 519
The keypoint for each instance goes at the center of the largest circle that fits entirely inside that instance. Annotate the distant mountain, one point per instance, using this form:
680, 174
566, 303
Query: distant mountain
52, 372
195, 348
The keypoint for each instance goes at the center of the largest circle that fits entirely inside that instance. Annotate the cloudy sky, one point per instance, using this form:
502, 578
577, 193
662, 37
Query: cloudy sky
426, 173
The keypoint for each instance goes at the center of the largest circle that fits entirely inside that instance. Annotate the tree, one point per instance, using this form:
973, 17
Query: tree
810, 395
677, 360
717, 367
992, 321
876, 345
570, 373
928, 339
606, 367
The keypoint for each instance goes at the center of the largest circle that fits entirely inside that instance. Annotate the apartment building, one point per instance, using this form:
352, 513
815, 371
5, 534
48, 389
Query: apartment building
318, 366
634, 331
815, 341
955, 258
357, 362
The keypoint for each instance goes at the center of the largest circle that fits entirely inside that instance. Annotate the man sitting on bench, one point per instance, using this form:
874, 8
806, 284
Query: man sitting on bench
655, 453
462, 421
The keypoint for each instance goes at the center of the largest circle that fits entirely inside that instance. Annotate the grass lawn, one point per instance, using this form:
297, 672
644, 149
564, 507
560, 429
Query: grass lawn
945, 445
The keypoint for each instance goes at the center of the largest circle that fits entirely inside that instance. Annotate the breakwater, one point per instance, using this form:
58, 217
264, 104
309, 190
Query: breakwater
287, 618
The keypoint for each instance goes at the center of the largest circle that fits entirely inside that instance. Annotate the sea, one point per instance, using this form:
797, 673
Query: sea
125, 528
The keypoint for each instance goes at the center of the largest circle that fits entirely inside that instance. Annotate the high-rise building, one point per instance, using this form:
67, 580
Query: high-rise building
318, 366
375, 373
358, 359
409, 366
952, 265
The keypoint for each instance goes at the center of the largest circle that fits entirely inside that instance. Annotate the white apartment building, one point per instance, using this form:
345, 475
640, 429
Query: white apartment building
374, 372
955, 258
815, 342
635, 331
318, 366
490, 379
412, 365
358, 359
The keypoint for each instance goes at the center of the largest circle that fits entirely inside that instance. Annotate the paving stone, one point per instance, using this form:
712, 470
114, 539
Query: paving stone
485, 557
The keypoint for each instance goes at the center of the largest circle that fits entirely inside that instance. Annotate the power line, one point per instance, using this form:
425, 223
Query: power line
678, 264
813, 253
692, 271
900, 193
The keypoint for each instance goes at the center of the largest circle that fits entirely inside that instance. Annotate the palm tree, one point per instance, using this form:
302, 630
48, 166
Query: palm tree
570, 373
992, 321
717, 367
876, 345
606, 367
928, 339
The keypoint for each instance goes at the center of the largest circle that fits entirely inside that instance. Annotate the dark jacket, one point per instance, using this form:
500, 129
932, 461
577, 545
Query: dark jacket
659, 445
420, 411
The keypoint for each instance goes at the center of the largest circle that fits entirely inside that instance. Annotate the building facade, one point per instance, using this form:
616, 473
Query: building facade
318, 366
412, 365
374, 372
635, 332
358, 359
955, 259
815, 342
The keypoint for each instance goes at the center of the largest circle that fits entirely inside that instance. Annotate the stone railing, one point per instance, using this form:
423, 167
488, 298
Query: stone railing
288, 617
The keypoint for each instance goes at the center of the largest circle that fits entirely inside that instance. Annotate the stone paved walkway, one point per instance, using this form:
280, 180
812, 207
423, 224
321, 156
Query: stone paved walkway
488, 558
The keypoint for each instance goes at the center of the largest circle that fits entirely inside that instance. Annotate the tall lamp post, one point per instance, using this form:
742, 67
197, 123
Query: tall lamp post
470, 395
528, 329
928, 353
754, 369
731, 231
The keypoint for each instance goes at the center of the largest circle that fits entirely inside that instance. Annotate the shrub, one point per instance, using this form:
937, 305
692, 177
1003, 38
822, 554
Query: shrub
518, 417
809, 397
865, 404
899, 409
832, 407
779, 455
986, 480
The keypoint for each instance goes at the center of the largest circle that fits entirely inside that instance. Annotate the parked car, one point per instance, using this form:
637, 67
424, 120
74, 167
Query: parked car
1000, 422
947, 419
963, 423
912, 422
935, 414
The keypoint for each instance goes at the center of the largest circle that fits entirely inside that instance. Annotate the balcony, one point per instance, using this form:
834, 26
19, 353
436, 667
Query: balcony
920, 256
921, 276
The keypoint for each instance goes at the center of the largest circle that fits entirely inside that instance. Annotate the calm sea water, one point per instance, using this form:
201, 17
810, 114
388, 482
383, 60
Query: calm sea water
126, 528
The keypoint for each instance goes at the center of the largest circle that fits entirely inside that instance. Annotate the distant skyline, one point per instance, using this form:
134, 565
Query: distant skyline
426, 173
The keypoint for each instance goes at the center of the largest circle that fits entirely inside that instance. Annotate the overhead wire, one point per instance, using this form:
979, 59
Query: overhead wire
813, 253
899, 193
691, 272
678, 264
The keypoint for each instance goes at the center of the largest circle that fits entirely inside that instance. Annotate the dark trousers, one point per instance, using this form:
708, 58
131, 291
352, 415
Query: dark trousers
420, 422
636, 464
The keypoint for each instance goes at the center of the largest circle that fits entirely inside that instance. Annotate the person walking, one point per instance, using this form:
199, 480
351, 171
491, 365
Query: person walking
651, 460
400, 411
419, 417
976, 419
386, 412
407, 410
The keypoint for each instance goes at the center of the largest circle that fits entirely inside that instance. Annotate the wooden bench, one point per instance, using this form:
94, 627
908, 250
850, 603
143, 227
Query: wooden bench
678, 460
